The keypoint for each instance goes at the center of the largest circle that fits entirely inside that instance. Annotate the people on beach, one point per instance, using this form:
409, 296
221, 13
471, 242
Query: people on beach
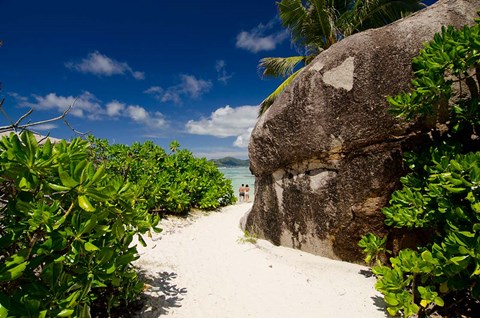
247, 194
241, 193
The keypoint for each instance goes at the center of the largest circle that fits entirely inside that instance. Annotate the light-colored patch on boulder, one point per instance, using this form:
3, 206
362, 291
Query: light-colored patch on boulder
320, 180
341, 76
328, 153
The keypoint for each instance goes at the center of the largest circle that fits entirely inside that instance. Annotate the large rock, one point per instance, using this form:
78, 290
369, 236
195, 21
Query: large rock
327, 155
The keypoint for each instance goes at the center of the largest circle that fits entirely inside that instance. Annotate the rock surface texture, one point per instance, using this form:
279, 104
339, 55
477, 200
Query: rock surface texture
327, 155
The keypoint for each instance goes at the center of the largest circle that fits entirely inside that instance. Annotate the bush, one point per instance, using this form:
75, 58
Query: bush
66, 226
174, 182
441, 193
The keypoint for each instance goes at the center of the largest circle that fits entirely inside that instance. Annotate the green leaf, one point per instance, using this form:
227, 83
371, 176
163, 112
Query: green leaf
457, 259
3, 312
24, 184
66, 313
392, 311
57, 187
13, 273
141, 240
90, 247
85, 312
65, 178
111, 269
98, 174
85, 204
476, 207
391, 299
89, 225
453, 189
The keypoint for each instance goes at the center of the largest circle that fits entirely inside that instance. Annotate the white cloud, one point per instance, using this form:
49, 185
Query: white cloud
142, 116
114, 108
45, 127
19, 98
171, 95
87, 105
101, 65
243, 139
213, 153
190, 87
194, 87
261, 38
221, 68
137, 113
83, 105
227, 122
154, 90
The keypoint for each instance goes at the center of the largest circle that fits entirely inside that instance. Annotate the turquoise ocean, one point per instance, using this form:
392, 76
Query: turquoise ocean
239, 176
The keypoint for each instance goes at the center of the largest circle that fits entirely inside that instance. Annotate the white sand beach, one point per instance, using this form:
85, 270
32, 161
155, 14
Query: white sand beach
202, 270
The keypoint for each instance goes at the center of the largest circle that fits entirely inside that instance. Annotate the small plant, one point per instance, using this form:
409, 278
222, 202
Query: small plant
374, 249
248, 238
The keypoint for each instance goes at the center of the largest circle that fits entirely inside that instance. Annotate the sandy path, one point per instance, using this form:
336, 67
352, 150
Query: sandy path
202, 270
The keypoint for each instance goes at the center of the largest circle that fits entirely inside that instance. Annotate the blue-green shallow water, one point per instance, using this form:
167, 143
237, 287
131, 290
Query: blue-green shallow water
239, 176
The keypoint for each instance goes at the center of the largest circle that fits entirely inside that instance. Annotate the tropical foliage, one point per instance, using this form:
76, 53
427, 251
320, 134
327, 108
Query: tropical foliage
174, 182
441, 194
66, 231
317, 24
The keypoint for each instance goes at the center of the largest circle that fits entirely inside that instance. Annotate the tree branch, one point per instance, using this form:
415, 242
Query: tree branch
18, 124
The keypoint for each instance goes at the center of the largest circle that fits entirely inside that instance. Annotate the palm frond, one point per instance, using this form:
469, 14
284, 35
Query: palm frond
368, 14
293, 14
267, 102
279, 66
321, 23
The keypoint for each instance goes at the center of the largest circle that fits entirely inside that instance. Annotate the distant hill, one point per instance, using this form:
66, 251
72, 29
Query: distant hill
230, 162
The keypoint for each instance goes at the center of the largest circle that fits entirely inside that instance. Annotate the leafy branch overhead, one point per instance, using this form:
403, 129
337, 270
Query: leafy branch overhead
441, 194
317, 24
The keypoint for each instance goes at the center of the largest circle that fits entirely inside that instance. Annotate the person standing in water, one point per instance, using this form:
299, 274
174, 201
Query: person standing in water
247, 194
241, 193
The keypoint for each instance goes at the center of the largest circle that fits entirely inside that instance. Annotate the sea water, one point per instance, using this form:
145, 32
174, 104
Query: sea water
239, 176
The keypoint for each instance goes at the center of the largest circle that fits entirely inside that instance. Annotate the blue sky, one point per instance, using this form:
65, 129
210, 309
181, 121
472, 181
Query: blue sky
144, 70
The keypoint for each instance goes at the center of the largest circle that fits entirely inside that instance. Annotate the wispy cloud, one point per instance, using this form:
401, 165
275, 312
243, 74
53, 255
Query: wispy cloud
45, 127
243, 140
215, 153
227, 122
88, 106
189, 87
114, 108
85, 105
261, 38
140, 115
101, 65
222, 75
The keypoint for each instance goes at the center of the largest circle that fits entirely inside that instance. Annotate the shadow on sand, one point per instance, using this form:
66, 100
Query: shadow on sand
160, 294
378, 301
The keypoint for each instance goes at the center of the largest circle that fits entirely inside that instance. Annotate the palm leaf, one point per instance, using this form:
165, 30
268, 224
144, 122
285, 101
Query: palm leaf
267, 102
321, 23
293, 14
368, 14
279, 66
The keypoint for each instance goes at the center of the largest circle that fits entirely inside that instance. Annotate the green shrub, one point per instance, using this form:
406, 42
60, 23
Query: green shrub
441, 194
174, 182
66, 228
